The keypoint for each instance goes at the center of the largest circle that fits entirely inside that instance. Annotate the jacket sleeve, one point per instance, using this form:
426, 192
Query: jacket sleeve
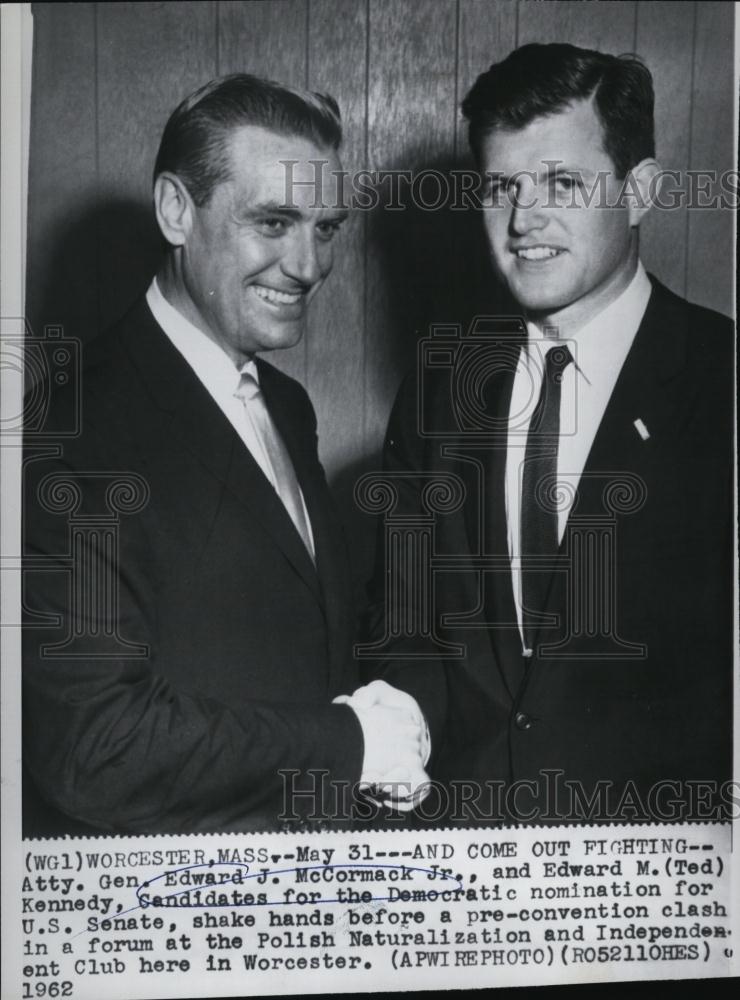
424, 675
107, 738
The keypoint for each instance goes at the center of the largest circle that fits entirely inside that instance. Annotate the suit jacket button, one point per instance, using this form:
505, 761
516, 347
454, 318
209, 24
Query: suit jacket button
522, 721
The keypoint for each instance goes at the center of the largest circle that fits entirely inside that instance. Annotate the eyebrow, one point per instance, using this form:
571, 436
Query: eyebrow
289, 211
564, 169
553, 172
272, 208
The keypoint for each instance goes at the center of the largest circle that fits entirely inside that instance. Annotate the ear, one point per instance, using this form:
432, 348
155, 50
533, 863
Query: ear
174, 208
641, 186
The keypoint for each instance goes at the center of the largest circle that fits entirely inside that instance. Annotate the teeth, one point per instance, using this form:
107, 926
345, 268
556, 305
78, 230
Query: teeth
272, 295
537, 253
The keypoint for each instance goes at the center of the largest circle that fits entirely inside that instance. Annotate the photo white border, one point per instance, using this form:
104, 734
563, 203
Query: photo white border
15, 116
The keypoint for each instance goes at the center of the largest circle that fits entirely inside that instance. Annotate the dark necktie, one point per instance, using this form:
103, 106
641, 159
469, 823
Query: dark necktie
539, 521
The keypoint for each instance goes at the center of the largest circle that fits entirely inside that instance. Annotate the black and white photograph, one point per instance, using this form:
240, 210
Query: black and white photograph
369, 537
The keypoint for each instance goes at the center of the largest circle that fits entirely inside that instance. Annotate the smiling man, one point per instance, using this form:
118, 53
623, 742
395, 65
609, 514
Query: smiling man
176, 665
595, 609
562, 230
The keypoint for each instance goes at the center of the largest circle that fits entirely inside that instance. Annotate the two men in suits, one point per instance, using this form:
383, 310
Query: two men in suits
580, 661
187, 589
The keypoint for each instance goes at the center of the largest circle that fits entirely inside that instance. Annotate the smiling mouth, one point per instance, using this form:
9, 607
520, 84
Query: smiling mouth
538, 253
277, 297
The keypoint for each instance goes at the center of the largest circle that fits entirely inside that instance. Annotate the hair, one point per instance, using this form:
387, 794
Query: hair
195, 141
537, 80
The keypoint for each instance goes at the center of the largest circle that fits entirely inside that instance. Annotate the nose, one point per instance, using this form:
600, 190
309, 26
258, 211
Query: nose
528, 211
305, 260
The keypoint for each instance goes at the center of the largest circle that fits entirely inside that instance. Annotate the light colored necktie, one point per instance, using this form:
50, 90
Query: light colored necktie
285, 481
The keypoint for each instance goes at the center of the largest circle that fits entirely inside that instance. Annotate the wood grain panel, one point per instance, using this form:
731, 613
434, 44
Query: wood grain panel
62, 200
150, 57
710, 276
411, 126
487, 34
608, 25
269, 40
665, 40
337, 65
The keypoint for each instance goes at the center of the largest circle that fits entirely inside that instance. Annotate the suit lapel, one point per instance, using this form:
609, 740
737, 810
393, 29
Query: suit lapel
648, 389
202, 428
330, 572
303, 454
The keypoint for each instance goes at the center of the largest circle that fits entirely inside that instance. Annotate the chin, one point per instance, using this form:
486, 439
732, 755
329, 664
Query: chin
539, 303
537, 297
282, 341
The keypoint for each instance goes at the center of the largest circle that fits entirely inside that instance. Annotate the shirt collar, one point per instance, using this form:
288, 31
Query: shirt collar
211, 364
601, 345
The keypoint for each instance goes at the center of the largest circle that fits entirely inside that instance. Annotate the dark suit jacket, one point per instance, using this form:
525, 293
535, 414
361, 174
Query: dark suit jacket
658, 709
222, 645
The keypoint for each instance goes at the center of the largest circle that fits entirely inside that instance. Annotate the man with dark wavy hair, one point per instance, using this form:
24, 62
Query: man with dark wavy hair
596, 609
183, 667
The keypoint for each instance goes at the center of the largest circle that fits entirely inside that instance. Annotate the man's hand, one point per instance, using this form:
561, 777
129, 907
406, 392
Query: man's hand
397, 743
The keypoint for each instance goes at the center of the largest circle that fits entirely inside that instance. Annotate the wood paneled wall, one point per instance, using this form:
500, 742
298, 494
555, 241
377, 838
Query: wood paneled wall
106, 76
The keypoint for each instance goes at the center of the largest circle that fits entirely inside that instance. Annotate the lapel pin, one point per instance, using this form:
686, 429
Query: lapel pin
642, 429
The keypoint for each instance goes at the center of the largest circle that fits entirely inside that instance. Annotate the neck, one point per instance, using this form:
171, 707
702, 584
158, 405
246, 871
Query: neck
172, 286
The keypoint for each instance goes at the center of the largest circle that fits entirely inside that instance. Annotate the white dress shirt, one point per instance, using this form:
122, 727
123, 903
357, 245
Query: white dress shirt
219, 375
599, 349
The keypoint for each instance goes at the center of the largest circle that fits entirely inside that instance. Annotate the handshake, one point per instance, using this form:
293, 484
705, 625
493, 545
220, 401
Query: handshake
397, 744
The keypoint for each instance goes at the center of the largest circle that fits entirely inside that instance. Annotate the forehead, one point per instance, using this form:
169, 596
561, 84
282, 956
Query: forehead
573, 137
269, 166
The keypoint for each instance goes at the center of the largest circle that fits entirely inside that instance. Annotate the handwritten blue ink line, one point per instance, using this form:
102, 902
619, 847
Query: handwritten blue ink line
436, 873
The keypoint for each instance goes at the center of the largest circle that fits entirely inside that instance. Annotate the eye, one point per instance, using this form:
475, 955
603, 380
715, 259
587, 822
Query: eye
564, 182
328, 230
272, 225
